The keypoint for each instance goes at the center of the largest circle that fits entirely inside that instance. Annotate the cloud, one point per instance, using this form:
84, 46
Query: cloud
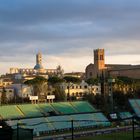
68, 29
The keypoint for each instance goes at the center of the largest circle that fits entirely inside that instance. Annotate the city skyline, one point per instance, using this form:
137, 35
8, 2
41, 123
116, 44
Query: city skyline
67, 32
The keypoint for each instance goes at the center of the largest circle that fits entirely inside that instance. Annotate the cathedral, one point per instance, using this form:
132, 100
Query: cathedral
99, 68
38, 69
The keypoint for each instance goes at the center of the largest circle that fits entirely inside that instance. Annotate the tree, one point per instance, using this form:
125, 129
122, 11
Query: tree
125, 80
39, 85
92, 81
70, 81
59, 93
3, 96
55, 80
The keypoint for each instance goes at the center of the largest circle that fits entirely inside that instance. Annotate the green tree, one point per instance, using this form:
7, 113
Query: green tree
125, 80
58, 92
92, 81
39, 85
55, 80
70, 81
3, 96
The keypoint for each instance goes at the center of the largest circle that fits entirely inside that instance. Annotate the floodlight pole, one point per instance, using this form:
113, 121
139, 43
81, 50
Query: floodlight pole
112, 109
0, 98
110, 81
133, 128
18, 124
17, 131
72, 136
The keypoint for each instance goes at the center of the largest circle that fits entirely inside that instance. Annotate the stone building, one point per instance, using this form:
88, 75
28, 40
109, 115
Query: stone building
99, 68
80, 89
37, 70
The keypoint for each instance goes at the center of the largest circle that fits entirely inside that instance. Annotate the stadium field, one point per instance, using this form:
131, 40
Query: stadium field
112, 136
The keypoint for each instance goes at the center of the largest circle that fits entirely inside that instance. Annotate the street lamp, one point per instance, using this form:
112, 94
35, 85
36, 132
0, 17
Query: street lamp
110, 81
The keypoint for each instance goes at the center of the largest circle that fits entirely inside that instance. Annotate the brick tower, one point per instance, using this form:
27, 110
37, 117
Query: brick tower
99, 61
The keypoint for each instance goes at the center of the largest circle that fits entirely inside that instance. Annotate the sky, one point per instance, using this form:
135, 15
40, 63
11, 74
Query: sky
67, 32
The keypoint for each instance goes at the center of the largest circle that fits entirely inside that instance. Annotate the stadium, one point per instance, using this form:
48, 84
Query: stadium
67, 120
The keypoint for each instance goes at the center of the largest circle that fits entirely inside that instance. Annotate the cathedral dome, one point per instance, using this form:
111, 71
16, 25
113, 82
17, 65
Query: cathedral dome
38, 66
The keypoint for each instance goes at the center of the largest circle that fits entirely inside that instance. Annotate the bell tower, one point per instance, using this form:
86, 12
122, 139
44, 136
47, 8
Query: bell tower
39, 58
38, 65
99, 61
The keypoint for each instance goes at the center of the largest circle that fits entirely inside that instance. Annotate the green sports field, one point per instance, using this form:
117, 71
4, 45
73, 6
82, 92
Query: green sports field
113, 136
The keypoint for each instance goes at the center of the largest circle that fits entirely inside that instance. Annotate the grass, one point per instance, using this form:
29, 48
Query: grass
112, 136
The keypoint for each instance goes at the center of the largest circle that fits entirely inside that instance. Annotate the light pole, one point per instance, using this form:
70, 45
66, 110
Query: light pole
0, 98
72, 136
111, 81
19, 124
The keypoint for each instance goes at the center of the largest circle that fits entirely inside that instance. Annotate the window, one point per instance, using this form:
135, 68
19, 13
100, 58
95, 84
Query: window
85, 86
101, 57
90, 74
80, 94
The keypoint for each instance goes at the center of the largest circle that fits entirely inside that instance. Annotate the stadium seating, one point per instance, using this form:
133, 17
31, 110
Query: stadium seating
135, 104
38, 124
60, 122
46, 124
11, 111
38, 110
63, 108
101, 119
80, 120
46, 108
30, 110
125, 115
95, 119
35, 116
83, 107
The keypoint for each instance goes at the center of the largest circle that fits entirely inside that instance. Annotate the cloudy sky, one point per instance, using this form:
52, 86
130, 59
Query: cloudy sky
67, 31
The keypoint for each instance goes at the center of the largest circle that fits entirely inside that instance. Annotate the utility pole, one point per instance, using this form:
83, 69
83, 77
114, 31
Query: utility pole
111, 81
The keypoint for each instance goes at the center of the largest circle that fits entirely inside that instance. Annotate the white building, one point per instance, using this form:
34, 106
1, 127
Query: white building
79, 90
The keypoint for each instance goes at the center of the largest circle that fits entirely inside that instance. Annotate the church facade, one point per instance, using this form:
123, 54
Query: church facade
99, 68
